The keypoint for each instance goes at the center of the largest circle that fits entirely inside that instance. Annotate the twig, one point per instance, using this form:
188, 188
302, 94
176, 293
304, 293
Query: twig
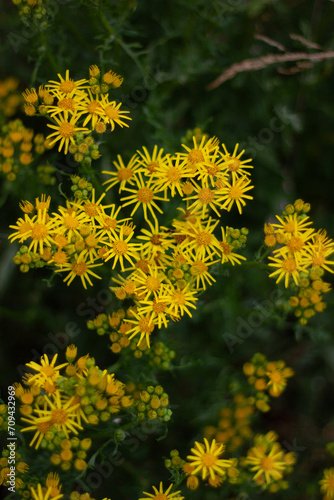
271, 42
304, 41
262, 62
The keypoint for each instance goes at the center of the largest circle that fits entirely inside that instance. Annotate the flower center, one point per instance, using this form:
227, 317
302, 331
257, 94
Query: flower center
120, 247
208, 459
112, 112
295, 244
195, 155
198, 268
233, 164
109, 223
267, 463
289, 227
145, 326
93, 107
43, 427
179, 298
203, 239
225, 248
60, 257
71, 222
66, 130
206, 195
155, 240
145, 195
124, 174
39, 231
79, 268
67, 86
318, 260
92, 209
235, 192
289, 265
59, 416
152, 283
66, 103
275, 377
48, 371
158, 307
173, 174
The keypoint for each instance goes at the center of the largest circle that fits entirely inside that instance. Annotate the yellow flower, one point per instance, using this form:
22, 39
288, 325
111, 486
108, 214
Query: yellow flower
234, 164
287, 268
46, 371
121, 249
205, 459
327, 484
65, 130
123, 174
66, 85
161, 495
79, 267
268, 466
144, 195
235, 193
112, 114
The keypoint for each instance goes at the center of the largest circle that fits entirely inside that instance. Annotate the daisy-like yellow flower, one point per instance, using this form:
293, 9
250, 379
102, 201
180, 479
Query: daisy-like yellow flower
46, 371
236, 193
121, 248
170, 174
327, 484
156, 308
292, 224
43, 493
234, 164
143, 325
79, 267
278, 376
144, 195
90, 106
69, 221
22, 228
205, 459
123, 174
180, 300
66, 105
154, 241
41, 232
112, 114
60, 413
200, 153
287, 267
199, 270
268, 466
65, 130
66, 85
197, 237
159, 494
151, 162
204, 199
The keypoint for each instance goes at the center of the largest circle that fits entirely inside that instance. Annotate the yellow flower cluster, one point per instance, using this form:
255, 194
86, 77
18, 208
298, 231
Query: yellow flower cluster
10, 99
297, 248
71, 106
18, 148
234, 424
266, 377
269, 462
59, 399
205, 462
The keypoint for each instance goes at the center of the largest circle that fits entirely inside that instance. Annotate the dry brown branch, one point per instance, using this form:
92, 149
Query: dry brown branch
264, 61
304, 41
271, 42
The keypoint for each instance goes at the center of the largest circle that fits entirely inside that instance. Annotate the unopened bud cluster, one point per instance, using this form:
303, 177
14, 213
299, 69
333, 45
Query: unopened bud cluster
84, 151
152, 403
